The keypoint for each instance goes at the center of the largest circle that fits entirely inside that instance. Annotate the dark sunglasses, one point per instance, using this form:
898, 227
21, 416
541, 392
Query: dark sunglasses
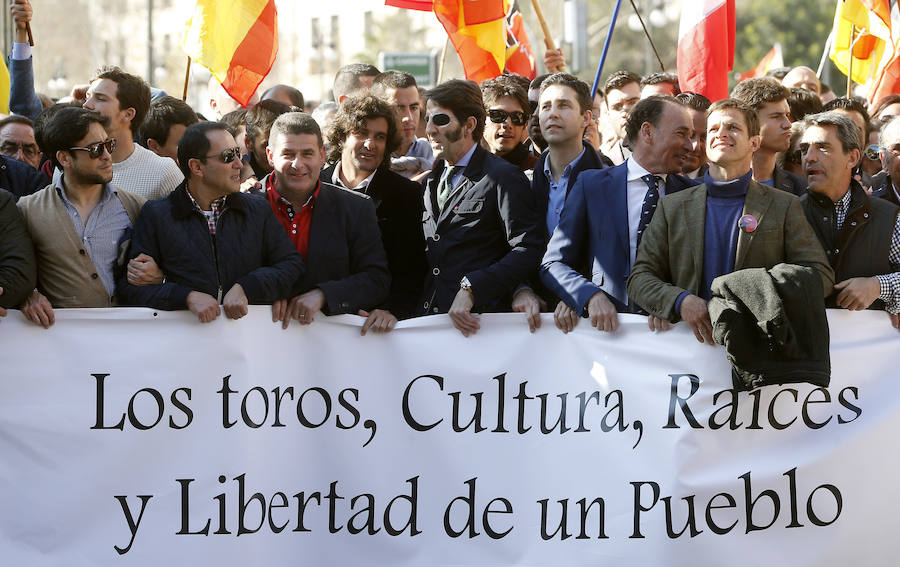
439, 119
228, 155
499, 116
96, 150
872, 152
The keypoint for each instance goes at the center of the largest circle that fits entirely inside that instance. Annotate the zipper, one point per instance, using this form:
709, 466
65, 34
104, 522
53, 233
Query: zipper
215, 251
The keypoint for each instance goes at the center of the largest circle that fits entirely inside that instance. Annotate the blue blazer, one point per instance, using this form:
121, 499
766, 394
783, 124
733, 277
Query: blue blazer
593, 231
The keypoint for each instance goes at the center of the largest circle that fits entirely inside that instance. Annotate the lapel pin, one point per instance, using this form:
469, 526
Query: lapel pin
748, 223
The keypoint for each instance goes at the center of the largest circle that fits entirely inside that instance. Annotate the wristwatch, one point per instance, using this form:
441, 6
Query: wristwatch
466, 285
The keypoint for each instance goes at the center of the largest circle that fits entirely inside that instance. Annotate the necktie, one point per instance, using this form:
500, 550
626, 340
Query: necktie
445, 187
651, 199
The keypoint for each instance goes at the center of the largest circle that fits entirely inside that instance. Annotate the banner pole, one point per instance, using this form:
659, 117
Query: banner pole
548, 38
443, 61
612, 26
650, 39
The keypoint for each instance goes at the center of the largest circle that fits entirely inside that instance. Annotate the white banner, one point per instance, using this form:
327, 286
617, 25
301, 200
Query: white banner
133, 437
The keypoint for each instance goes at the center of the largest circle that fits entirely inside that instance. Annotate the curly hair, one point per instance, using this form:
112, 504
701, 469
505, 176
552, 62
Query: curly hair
351, 117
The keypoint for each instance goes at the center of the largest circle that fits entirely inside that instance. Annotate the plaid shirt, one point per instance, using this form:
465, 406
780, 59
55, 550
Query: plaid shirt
890, 283
214, 212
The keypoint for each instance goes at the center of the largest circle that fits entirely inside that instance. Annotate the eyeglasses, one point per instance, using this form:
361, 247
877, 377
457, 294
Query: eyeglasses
440, 119
96, 150
228, 155
12, 148
499, 116
872, 152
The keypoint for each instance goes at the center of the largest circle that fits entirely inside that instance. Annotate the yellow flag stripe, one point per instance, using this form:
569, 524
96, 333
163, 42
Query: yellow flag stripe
217, 28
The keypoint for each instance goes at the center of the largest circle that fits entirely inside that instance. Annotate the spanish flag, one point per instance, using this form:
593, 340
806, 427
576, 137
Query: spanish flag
476, 29
871, 26
236, 40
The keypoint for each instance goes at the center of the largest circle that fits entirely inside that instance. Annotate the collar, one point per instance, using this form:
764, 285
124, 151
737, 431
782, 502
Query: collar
215, 204
732, 188
636, 171
463, 161
567, 170
271, 186
336, 179
107, 192
182, 205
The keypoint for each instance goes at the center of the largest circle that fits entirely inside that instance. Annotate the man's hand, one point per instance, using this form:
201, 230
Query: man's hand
602, 313
38, 310
895, 320
565, 317
460, 313
203, 305
657, 324
554, 61
21, 14
2, 310
142, 270
302, 308
696, 315
527, 302
250, 183
857, 293
235, 302
378, 321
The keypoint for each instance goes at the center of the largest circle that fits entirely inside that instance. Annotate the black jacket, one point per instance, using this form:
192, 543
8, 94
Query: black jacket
489, 231
773, 325
18, 269
886, 192
250, 247
398, 206
19, 178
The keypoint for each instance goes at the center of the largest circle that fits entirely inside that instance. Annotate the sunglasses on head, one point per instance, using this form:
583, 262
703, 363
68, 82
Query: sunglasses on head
228, 155
96, 150
440, 119
499, 116
872, 152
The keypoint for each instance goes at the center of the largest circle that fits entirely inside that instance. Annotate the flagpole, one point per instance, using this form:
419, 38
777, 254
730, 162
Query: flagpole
548, 38
443, 61
650, 39
187, 75
612, 26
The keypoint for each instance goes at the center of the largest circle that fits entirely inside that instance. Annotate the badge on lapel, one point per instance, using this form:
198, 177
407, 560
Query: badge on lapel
748, 223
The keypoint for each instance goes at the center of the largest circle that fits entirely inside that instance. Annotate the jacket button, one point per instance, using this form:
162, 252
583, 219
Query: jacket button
865, 215
853, 223
435, 310
82, 252
436, 271
436, 237
94, 276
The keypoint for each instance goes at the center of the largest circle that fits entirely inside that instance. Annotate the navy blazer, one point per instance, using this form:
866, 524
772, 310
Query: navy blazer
488, 231
398, 205
593, 230
886, 191
592, 159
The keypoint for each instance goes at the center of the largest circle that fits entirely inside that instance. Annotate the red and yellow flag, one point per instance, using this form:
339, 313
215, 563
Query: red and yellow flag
771, 60
519, 57
236, 40
476, 29
870, 26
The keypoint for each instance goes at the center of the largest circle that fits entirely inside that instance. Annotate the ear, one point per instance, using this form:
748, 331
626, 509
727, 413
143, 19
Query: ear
64, 158
322, 153
586, 118
755, 142
469, 125
196, 167
270, 156
128, 114
646, 131
248, 144
153, 146
854, 156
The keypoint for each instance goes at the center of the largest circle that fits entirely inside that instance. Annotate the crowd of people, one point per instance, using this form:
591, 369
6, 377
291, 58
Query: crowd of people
393, 201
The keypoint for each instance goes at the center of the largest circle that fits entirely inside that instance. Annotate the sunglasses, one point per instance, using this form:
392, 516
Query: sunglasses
439, 119
96, 150
228, 155
499, 116
872, 152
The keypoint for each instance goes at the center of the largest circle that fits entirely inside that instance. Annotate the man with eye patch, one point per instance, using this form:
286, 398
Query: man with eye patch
80, 223
482, 234
215, 245
507, 107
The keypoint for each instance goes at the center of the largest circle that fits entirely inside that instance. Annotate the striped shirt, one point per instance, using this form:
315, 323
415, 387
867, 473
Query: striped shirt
101, 231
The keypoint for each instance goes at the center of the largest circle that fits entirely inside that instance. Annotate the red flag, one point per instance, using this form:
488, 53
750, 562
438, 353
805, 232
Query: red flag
771, 60
706, 47
423, 5
476, 29
519, 57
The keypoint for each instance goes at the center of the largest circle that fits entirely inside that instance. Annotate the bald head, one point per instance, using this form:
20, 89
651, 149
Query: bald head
803, 77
